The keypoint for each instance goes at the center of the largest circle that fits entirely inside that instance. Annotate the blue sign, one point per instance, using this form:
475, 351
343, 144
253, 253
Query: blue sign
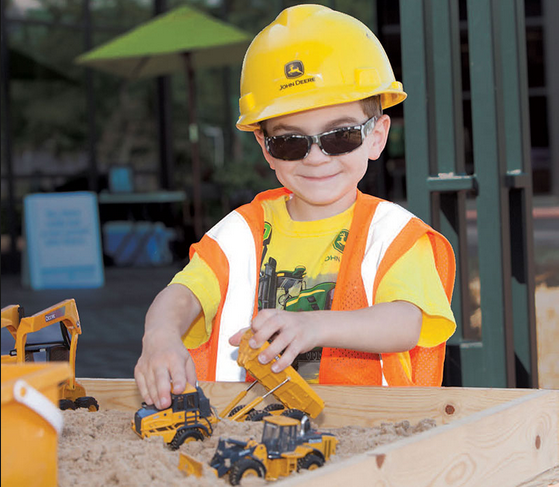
63, 241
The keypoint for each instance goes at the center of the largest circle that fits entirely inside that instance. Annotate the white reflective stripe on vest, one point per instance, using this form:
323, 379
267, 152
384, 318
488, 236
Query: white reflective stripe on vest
237, 243
388, 221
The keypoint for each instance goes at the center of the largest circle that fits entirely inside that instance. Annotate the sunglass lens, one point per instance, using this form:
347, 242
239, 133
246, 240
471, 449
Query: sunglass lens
341, 141
288, 148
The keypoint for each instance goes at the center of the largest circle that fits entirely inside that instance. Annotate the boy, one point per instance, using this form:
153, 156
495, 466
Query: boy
371, 283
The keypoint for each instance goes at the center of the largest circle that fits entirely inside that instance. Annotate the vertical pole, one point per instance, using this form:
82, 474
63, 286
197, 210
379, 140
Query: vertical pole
484, 30
7, 140
226, 81
519, 182
194, 150
164, 124
446, 93
416, 107
551, 41
93, 182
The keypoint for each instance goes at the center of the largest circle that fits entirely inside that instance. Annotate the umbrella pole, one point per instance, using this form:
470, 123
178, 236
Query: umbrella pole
194, 150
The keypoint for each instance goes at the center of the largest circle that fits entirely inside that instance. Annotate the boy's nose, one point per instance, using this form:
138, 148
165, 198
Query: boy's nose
315, 156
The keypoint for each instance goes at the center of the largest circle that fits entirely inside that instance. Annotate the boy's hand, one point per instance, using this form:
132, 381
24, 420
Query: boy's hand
291, 333
164, 361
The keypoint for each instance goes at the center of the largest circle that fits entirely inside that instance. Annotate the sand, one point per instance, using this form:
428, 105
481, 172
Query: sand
100, 449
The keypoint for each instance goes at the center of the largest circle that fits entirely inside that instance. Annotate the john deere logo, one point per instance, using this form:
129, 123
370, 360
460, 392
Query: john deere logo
339, 243
294, 69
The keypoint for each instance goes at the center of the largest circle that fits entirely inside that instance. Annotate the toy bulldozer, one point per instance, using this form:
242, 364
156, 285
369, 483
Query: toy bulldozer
55, 349
287, 445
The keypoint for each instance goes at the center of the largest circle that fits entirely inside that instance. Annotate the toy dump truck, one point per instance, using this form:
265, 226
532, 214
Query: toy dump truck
296, 397
190, 416
32, 340
287, 445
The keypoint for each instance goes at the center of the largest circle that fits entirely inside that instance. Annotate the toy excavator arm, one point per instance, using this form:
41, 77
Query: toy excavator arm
11, 316
65, 312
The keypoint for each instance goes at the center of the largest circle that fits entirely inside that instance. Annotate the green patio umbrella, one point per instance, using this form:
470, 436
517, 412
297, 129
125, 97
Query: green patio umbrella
181, 39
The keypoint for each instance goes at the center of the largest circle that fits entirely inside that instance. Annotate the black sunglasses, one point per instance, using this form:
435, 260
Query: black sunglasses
293, 147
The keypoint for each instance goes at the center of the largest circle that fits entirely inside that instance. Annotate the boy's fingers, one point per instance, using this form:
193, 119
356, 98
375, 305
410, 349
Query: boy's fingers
235, 340
178, 378
163, 387
191, 372
285, 360
142, 387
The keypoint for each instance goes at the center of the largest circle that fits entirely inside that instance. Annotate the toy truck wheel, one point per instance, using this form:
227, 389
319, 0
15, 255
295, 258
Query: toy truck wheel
245, 468
274, 407
310, 462
66, 404
236, 409
185, 436
294, 413
256, 415
87, 402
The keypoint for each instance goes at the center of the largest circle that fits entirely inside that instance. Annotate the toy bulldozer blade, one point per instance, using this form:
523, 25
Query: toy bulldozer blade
192, 466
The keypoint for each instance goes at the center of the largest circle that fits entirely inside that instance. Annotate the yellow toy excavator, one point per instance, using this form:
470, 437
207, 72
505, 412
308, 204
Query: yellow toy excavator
61, 348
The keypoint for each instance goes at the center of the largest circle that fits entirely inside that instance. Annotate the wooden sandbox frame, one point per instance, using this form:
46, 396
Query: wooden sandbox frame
485, 437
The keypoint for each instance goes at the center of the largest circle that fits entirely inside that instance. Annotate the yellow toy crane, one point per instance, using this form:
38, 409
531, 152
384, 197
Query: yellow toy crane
73, 394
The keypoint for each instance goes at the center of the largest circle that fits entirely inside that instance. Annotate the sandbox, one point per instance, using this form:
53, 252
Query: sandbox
483, 437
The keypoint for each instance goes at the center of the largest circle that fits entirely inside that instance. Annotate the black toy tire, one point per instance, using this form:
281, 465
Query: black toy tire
276, 406
87, 402
185, 435
236, 409
294, 413
310, 462
65, 404
257, 415
244, 468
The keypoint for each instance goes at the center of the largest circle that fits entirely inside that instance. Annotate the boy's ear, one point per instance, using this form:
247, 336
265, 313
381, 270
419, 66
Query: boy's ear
379, 137
259, 135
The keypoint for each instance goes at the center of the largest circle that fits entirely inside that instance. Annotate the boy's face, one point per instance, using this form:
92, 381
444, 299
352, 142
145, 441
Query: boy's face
323, 185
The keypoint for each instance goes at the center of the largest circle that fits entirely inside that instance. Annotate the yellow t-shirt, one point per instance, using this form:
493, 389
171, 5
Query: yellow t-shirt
299, 270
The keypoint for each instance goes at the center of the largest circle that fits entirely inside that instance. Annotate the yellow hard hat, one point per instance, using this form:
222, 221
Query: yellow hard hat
311, 56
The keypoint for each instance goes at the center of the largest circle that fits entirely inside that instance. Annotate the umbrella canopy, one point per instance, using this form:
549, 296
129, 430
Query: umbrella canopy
182, 39
155, 48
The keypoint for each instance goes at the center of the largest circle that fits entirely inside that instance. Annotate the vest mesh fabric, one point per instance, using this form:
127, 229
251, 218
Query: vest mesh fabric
340, 365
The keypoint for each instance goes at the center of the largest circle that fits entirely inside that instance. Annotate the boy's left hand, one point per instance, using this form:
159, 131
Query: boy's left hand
291, 334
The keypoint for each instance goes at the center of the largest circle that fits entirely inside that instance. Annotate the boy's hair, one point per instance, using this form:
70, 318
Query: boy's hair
372, 106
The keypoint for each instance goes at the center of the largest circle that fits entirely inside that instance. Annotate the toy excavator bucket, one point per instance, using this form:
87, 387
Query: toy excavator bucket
192, 466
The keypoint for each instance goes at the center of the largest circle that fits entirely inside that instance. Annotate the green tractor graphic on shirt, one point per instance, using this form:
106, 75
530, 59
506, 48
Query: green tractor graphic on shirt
290, 284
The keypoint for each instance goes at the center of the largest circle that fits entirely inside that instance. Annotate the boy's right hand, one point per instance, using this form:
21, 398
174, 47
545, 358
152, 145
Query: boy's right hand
164, 362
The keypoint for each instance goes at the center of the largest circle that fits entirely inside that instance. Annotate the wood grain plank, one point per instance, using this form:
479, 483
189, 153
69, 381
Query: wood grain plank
345, 405
503, 445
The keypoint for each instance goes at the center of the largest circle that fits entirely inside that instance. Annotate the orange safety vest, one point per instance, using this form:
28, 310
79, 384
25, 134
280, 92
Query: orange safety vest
233, 250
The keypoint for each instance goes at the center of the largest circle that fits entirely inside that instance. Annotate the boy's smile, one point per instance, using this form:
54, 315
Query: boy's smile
323, 185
